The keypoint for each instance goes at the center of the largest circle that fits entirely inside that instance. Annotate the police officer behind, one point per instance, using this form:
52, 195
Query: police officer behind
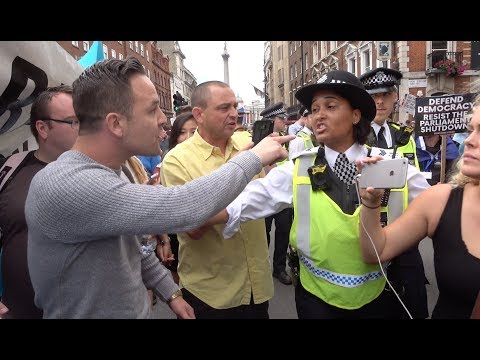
381, 84
284, 218
406, 271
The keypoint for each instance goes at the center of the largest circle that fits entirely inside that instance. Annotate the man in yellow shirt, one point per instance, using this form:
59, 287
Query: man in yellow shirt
220, 278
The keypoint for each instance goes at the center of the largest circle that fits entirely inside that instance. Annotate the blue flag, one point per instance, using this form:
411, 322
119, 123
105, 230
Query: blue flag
93, 55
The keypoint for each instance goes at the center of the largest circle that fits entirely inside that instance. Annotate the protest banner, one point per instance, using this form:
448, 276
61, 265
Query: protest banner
26, 69
445, 114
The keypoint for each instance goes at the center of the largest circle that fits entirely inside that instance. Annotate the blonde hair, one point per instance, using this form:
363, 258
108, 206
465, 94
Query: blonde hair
458, 179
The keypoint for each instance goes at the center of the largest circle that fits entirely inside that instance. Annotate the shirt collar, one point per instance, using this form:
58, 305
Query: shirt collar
206, 150
353, 153
377, 127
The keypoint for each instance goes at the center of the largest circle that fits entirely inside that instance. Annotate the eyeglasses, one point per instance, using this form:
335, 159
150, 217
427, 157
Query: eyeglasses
72, 122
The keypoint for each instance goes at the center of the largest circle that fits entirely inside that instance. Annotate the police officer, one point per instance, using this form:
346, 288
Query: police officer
334, 280
283, 219
305, 139
382, 84
406, 271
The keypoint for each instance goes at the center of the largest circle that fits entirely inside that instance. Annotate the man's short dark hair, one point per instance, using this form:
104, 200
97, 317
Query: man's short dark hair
103, 88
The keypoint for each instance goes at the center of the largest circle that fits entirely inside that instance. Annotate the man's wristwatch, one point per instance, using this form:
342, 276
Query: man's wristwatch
175, 295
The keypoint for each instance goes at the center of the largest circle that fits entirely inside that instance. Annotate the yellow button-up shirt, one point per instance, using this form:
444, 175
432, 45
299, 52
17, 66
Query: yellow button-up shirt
222, 273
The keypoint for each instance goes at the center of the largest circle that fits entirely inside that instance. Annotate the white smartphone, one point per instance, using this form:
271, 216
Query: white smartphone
385, 174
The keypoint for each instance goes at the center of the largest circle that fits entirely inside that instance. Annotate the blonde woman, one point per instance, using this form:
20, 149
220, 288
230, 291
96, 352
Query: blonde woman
447, 213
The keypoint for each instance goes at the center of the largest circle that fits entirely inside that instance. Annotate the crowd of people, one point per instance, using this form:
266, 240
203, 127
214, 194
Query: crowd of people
110, 176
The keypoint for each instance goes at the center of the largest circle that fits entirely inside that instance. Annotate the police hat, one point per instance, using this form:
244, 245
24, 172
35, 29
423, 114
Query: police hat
346, 85
271, 112
381, 80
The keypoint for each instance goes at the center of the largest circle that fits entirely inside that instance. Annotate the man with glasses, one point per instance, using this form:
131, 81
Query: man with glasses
55, 127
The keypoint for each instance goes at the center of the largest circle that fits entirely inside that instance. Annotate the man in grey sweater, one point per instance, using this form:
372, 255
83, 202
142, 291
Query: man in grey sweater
83, 252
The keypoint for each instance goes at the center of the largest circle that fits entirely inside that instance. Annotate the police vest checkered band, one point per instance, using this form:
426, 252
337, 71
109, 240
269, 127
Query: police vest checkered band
379, 78
332, 81
278, 111
344, 280
273, 113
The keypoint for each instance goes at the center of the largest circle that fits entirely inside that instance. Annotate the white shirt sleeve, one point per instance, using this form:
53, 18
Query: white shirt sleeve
295, 147
261, 198
416, 183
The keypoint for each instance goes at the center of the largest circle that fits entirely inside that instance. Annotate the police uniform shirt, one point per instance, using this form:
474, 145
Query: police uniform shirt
273, 193
386, 132
297, 145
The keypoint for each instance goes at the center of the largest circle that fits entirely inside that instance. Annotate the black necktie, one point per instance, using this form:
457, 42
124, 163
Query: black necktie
344, 169
381, 142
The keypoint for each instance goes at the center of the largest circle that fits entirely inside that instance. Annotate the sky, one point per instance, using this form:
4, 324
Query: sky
245, 64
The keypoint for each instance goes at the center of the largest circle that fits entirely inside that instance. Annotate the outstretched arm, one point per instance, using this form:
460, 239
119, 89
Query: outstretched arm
419, 220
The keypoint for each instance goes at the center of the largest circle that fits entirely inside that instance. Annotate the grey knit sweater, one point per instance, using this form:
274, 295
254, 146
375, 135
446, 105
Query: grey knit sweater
83, 255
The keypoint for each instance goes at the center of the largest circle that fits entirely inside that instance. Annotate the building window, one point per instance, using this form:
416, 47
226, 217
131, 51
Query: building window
366, 61
352, 65
86, 45
290, 45
280, 53
280, 76
105, 51
294, 46
323, 49
136, 47
296, 70
291, 71
439, 51
142, 53
120, 56
114, 54
333, 45
315, 52
148, 73
307, 65
131, 45
75, 43
148, 57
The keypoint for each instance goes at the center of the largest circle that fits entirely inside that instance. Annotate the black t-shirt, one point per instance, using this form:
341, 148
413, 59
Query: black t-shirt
18, 293
457, 271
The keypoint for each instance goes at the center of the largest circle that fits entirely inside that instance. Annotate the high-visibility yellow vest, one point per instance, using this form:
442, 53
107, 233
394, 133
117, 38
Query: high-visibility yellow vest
408, 150
307, 140
328, 245
285, 146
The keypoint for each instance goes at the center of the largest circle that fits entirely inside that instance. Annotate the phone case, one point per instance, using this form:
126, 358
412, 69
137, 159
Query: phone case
261, 129
385, 174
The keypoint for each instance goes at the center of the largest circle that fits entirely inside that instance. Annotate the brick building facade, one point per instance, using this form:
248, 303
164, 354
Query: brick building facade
290, 65
155, 63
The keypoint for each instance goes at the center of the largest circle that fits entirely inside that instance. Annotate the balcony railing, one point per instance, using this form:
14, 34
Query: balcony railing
436, 56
